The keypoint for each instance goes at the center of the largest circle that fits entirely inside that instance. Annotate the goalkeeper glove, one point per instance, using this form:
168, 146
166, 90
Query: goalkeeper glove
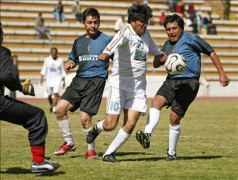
28, 88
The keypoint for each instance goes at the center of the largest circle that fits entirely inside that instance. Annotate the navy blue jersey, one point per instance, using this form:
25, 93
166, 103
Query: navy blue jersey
85, 53
190, 46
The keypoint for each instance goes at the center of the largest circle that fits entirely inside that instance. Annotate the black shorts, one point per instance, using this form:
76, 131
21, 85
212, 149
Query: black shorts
85, 93
179, 93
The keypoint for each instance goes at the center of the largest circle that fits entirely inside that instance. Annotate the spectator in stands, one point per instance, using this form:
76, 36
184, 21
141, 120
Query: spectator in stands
172, 4
226, 9
180, 8
120, 23
162, 17
191, 11
135, 2
59, 12
53, 72
41, 29
76, 10
207, 22
15, 73
179, 91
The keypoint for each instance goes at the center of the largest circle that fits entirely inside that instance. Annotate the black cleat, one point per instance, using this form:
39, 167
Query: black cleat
143, 139
92, 135
110, 158
170, 157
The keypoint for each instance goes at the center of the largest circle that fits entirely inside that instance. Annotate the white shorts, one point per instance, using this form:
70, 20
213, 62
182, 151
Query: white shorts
118, 100
53, 90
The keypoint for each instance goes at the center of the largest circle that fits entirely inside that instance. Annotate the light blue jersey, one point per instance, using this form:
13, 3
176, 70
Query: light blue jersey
190, 46
85, 53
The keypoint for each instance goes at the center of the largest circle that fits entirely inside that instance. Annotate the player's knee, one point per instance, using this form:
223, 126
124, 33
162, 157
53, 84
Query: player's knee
175, 119
109, 126
59, 111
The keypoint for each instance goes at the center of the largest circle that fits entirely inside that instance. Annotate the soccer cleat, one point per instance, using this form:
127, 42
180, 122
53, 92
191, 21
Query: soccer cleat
170, 157
45, 166
143, 139
92, 135
64, 149
110, 158
90, 154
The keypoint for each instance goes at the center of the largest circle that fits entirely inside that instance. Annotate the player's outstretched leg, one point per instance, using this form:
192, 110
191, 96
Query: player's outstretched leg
143, 139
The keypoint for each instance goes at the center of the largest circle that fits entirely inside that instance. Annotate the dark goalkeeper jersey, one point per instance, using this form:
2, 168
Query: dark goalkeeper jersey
85, 53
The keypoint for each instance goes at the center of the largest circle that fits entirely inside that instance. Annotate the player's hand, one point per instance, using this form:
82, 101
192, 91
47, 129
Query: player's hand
103, 56
69, 65
28, 88
162, 58
224, 81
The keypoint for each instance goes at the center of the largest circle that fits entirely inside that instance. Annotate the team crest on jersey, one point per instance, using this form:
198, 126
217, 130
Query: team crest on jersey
89, 48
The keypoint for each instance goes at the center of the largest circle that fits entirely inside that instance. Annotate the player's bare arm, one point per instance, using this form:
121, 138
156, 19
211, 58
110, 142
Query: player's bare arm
159, 60
69, 65
224, 81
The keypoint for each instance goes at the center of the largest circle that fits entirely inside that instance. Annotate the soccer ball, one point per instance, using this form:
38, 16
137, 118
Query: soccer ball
175, 64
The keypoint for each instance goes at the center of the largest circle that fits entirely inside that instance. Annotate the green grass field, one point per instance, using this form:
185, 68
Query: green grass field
207, 148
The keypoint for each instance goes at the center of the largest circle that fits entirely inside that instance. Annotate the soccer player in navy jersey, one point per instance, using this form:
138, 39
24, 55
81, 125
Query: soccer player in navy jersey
179, 91
86, 89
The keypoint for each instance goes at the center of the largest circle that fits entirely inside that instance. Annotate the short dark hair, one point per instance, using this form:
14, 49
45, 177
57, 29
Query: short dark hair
90, 12
54, 48
141, 12
174, 18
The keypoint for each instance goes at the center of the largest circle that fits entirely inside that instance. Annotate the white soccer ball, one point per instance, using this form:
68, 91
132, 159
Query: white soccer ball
175, 64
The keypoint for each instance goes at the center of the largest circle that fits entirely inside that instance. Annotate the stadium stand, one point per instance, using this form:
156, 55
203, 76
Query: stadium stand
18, 18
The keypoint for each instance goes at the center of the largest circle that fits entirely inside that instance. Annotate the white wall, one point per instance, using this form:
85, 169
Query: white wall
153, 83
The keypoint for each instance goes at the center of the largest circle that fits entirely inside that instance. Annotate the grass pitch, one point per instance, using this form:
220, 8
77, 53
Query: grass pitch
207, 148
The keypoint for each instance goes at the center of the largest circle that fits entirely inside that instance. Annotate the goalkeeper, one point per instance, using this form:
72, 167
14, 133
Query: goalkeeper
30, 117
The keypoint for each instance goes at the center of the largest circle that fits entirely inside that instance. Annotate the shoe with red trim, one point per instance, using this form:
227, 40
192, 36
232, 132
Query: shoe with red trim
64, 149
90, 154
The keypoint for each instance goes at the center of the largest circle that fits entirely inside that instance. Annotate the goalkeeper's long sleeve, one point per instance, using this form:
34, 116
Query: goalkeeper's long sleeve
6, 76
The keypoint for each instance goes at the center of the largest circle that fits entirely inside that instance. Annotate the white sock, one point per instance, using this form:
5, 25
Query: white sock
152, 120
99, 125
120, 138
53, 109
174, 132
91, 145
66, 131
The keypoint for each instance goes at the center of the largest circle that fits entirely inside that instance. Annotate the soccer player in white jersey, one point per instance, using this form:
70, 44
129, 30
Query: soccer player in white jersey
54, 73
130, 47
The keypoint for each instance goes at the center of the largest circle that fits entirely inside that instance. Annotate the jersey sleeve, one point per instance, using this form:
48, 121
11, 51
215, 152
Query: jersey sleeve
118, 40
63, 73
153, 48
201, 45
6, 76
73, 55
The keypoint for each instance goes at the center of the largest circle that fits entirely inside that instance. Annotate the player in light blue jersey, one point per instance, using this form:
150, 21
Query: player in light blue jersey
179, 91
86, 89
